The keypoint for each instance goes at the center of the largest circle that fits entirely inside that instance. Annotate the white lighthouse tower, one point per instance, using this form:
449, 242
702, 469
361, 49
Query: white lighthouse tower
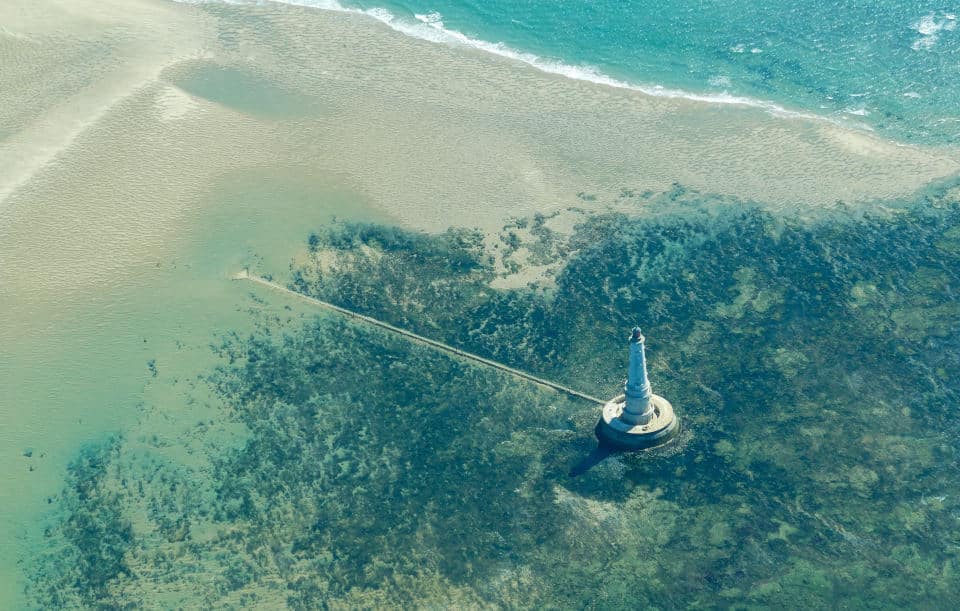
637, 419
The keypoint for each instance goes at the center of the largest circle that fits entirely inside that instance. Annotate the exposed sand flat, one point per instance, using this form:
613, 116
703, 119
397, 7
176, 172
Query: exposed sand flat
173, 96
431, 128
441, 134
67, 66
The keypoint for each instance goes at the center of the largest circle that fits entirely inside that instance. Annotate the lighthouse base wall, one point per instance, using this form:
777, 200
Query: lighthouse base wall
661, 429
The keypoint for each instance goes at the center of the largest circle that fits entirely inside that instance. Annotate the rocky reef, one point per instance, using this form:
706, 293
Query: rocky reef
818, 467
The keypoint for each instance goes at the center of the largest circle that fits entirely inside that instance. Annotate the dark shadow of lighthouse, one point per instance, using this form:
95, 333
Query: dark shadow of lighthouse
637, 419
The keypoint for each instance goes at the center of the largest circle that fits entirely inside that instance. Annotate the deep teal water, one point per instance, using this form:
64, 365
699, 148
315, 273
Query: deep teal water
892, 65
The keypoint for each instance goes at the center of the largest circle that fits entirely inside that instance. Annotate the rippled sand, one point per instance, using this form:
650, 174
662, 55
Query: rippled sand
149, 149
122, 118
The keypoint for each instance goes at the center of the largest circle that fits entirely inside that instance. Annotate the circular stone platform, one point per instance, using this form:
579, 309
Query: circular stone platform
621, 435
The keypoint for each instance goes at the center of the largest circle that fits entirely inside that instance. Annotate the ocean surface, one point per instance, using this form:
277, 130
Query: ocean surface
893, 65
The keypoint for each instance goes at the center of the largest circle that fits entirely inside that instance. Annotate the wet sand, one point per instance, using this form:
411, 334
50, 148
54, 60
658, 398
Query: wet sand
148, 150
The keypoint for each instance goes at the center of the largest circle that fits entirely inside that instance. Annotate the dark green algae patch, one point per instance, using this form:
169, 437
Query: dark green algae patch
814, 364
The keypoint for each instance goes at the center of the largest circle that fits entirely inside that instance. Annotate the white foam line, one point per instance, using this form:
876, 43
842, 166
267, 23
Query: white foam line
430, 28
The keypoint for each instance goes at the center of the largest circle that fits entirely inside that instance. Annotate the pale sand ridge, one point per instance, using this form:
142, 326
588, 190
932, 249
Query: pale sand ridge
141, 54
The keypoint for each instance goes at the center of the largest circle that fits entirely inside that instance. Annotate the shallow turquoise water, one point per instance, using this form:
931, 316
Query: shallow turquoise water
891, 65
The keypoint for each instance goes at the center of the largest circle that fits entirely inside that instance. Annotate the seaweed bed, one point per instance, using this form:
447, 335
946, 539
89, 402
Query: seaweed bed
814, 363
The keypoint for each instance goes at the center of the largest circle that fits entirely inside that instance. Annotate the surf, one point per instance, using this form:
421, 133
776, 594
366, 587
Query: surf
430, 28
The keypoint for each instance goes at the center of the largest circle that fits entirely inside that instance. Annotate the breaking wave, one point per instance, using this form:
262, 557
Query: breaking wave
430, 27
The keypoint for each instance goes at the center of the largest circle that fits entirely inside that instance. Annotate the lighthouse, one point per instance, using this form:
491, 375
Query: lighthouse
637, 419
